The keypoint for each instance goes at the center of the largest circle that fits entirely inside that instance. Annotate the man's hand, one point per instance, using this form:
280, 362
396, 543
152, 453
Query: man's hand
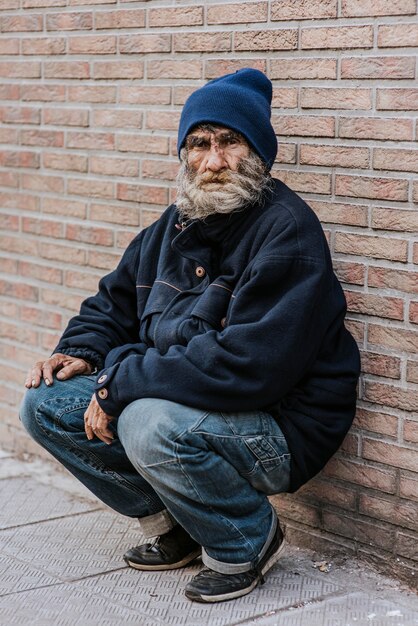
96, 422
66, 366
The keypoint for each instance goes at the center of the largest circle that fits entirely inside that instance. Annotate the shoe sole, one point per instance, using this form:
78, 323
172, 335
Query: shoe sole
149, 568
240, 592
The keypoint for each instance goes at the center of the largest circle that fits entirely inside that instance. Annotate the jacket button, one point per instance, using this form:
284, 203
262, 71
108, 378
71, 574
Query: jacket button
223, 322
102, 378
102, 393
200, 272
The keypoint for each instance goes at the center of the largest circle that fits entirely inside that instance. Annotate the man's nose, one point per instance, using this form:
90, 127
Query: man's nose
216, 159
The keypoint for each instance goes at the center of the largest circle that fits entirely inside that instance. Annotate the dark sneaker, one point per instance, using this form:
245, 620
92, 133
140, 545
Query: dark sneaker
170, 551
211, 586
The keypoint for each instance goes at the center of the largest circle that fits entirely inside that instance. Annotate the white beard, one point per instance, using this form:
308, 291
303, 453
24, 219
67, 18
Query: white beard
201, 195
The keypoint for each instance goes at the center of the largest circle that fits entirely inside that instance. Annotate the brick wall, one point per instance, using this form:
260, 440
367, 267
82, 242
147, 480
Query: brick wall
90, 97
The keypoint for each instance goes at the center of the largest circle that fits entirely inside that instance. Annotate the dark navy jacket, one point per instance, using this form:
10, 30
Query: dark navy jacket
234, 313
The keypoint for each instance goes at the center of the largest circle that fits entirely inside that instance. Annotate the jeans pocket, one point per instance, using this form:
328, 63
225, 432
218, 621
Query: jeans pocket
271, 472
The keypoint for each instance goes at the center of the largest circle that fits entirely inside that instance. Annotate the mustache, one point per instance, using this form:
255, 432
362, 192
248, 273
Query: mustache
206, 178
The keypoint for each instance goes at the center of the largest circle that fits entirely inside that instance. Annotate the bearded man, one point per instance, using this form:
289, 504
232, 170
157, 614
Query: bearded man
213, 367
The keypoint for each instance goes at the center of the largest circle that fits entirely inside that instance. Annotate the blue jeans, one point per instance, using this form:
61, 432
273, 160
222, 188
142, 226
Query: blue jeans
210, 472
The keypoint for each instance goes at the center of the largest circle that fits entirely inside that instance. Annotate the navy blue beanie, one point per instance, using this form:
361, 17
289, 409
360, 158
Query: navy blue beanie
240, 101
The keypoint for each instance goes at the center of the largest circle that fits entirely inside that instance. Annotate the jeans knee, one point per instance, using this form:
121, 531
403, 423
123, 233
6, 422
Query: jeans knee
28, 410
148, 429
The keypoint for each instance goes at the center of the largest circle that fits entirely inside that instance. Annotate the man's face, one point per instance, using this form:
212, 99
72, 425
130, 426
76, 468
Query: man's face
214, 151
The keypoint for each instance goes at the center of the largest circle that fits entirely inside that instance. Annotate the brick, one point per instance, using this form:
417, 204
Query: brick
89, 234
118, 118
339, 98
149, 217
43, 93
36, 4
218, 67
391, 396
103, 260
44, 46
152, 144
317, 491
82, 280
334, 156
40, 182
375, 128
69, 21
22, 201
63, 299
124, 238
202, 42
92, 44
19, 333
42, 138
114, 166
356, 328
390, 454
242, 12
376, 421
378, 67
6, 5
8, 135
90, 188
144, 44
397, 99
182, 16
386, 278
16, 69
9, 91
283, 39
67, 69
62, 253
130, 18
21, 115
37, 271
371, 187
59, 116
299, 511
166, 170
88, 140
374, 8
359, 530
349, 272
337, 38
286, 98
413, 312
303, 9
115, 214
362, 474
174, 69
286, 153
395, 511
62, 161
412, 372
8, 222
399, 339
118, 69
92, 93
381, 365
21, 291
162, 120
9, 179
144, 95
300, 69
21, 158
303, 125
17, 245
84, 2
37, 317
395, 160
407, 546
410, 431
142, 193
9, 46
309, 182
408, 487
397, 36
21, 23
68, 208
340, 213
370, 304
369, 246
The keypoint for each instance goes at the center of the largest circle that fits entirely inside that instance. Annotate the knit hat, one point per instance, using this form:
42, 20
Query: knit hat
240, 101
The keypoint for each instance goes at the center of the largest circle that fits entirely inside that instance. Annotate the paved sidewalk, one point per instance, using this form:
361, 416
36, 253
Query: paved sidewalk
60, 565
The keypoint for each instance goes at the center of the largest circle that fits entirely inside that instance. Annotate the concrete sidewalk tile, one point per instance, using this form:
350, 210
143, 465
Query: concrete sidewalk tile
151, 598
16, 576
351, 609
26, 501
74, 546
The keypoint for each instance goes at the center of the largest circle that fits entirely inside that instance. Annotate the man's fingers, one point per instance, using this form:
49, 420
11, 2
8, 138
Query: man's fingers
34, 376
78, 366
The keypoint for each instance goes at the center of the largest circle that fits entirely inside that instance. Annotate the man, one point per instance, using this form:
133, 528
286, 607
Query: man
213, 368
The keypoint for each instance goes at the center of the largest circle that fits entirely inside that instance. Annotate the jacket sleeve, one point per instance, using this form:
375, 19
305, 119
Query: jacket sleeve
109, 318
275, 326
